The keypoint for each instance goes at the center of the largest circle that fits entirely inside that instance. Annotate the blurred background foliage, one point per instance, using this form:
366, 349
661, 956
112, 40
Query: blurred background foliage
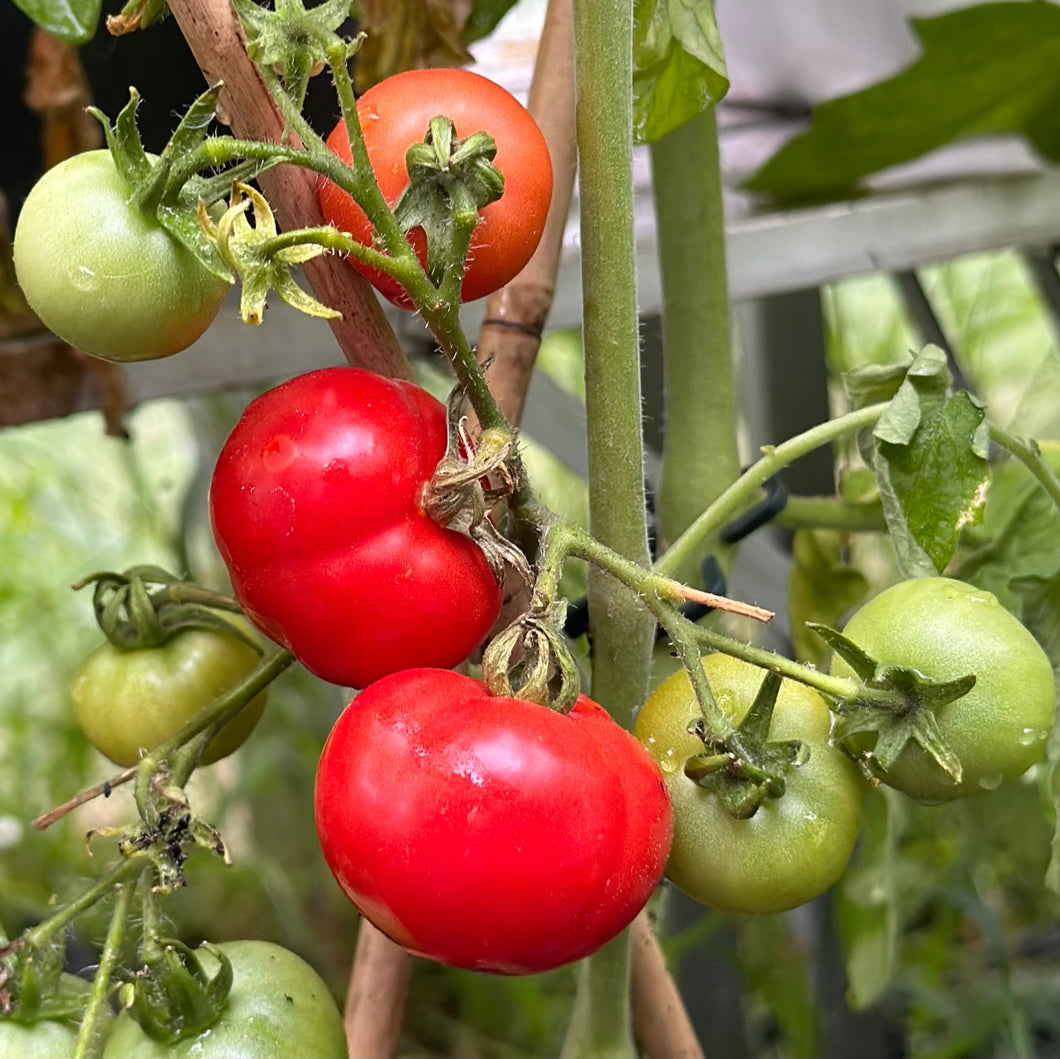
941, 940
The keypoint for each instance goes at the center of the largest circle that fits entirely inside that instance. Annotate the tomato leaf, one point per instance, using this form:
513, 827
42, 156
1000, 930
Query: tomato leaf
678, 64
1014, 552
867, 914
929, 451
873, 383
990, 68
484, 17
72, 21
821, 588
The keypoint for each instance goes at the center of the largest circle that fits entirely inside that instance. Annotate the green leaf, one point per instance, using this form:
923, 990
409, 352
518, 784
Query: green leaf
873, 383
821, 589
991, 68
72, 21
928, 451
867, 915
678, 64
484, 18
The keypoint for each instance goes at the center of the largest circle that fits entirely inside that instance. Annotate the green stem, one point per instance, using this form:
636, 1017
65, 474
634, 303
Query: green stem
60, 920
829, 512
88, 1042
1028, 454
700, 456
204, 725
741, 493
622, 630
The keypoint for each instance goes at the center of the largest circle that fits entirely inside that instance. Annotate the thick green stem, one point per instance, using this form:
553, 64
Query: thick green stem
622, 630
88, 1034
742, 492
700, 456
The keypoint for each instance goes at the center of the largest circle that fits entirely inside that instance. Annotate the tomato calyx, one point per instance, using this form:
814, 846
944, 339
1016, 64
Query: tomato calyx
146, 606
260, 256
297, 43
456, 499
898, 704
33, 987
530, 660
745, 767
162, 188
450, 180
171, 996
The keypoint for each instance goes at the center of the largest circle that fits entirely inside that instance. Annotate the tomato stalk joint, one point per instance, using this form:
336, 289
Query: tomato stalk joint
745, 767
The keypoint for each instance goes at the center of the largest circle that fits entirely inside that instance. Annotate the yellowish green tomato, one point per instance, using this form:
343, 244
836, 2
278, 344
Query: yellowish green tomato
793, 847
127, 702
945, 629
103, 275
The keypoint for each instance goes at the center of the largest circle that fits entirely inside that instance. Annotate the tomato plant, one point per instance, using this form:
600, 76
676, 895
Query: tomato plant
278, 1005
128, 701
486, 832
945, 629
316, 505
793, 847
102, 274
394, 114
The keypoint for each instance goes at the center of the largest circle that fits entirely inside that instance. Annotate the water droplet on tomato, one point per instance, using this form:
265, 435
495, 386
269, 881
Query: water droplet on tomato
1030, 736
991, 783
83, 278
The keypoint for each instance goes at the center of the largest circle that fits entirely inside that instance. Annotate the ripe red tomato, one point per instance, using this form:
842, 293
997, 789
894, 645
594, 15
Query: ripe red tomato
486, 832
395, 114
316, 509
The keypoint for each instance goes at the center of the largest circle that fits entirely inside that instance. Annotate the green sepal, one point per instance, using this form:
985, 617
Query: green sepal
862, 664
745, 767
142, 608
173, 997
295, 42
172, 202
251, 252
907, 715
450, 180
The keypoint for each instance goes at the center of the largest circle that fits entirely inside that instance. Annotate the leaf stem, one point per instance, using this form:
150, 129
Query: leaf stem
741, 493
88, 1032
1029, 454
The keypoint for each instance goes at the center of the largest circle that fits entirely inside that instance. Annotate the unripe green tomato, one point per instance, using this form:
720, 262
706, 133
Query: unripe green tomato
101, 274
36, 1040
127, 702
279, 1008
945, 629
794, 847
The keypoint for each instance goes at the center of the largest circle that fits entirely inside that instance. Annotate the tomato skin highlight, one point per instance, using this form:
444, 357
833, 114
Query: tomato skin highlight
127, 702
485, 832
316, 507
794, 847
395, 114
945, 629
278, 1006
103, 276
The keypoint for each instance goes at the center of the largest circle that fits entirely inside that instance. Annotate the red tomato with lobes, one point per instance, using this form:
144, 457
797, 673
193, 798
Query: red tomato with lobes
394, 115
316, 507
485, 832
